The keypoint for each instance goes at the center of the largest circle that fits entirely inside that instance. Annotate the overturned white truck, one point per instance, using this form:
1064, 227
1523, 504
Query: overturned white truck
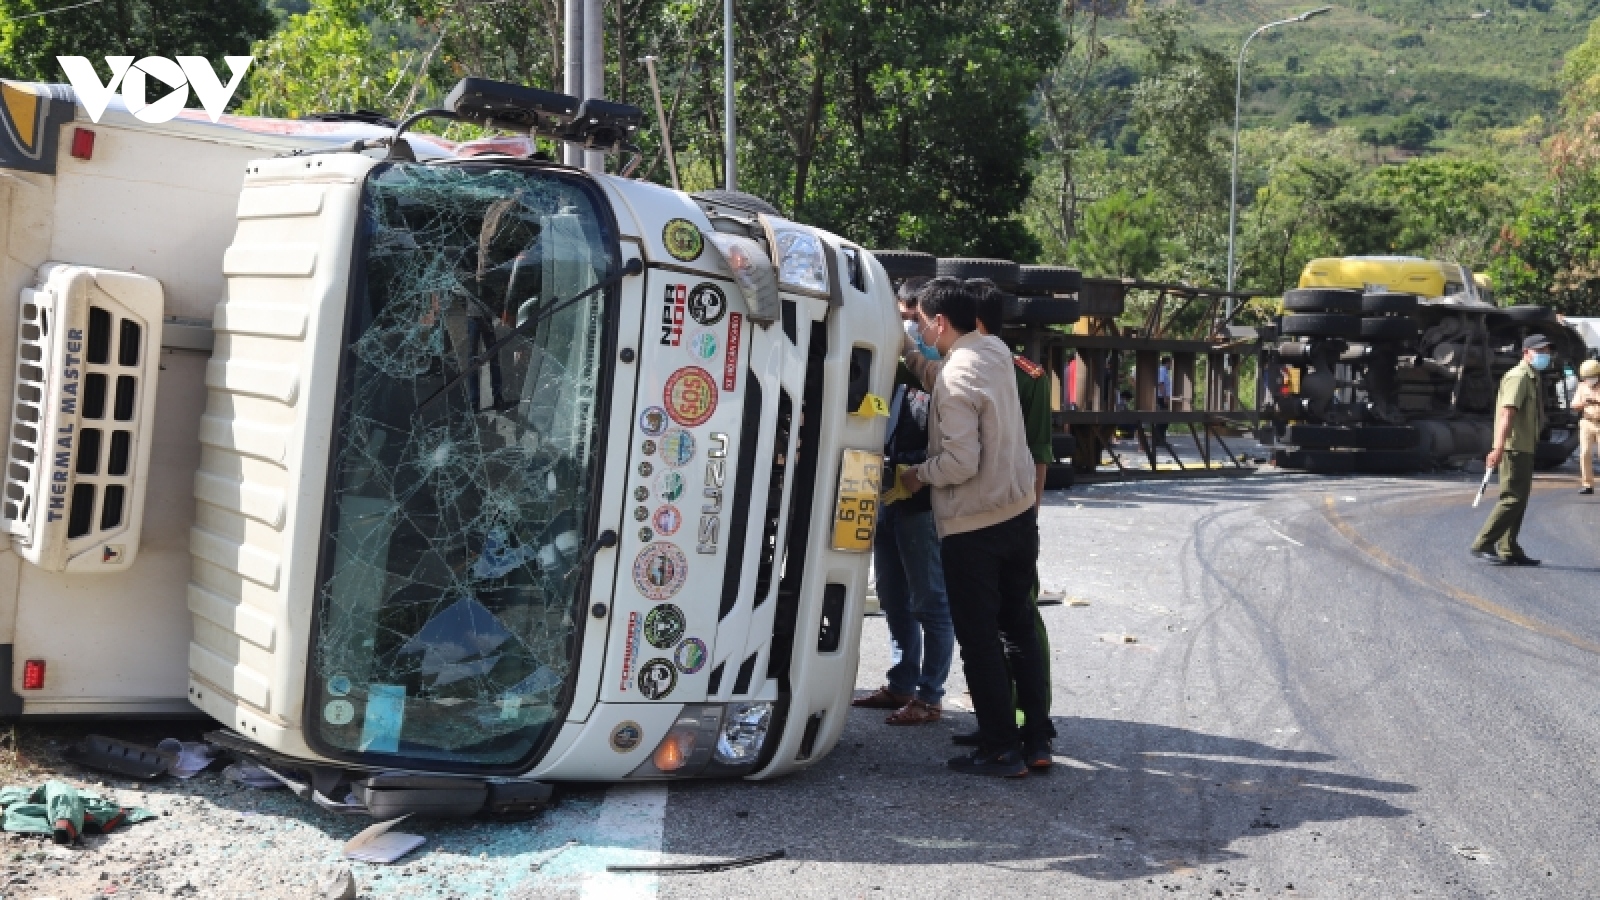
399, 456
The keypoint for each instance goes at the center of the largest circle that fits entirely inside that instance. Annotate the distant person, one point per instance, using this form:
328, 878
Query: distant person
1163, 397
1586, 403
1516, 434
905, 558
983, 505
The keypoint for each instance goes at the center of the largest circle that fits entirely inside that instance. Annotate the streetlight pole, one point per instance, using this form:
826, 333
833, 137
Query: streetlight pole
1238, 94
730, 132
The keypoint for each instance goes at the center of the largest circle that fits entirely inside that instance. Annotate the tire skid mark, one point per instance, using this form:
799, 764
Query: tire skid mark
1482, 604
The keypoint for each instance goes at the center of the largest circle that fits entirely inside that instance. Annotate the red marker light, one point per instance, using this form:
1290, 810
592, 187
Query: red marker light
82, 143
33, 675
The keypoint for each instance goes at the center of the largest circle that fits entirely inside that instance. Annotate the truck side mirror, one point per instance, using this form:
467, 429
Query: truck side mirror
754, 273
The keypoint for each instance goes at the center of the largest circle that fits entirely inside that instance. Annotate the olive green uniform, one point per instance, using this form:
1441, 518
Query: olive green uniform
1038, 421
1519, 388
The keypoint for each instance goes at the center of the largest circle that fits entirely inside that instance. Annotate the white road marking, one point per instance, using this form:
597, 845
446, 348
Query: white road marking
630, 820
1284, 536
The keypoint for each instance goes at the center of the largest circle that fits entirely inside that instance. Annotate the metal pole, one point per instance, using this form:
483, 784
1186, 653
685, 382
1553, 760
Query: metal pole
661, 119
572, 73
729, 165
594, 68
1233, 188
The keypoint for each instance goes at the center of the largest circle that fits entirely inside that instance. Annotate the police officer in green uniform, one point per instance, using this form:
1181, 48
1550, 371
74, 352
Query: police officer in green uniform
1516, 433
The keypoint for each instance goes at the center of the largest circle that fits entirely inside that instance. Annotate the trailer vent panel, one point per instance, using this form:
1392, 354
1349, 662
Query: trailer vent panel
79, 450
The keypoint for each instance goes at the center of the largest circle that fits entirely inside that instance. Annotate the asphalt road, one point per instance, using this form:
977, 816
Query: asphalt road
1323, 696
1285, 686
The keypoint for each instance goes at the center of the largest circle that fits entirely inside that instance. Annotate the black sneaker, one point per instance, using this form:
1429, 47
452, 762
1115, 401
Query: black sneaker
1587, 490
1038, 754
965, 739
1002, 763
1519, 560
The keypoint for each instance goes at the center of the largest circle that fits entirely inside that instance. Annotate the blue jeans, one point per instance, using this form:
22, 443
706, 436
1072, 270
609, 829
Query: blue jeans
905, 554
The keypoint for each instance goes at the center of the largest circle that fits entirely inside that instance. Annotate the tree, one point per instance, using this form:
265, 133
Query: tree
324, 60
1121, 236
30, 43
1076, 103
1451, 207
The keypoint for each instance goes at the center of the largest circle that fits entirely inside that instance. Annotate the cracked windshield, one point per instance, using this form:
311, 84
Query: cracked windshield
452, 564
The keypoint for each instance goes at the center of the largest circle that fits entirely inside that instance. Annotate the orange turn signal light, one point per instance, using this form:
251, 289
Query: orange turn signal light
674, 750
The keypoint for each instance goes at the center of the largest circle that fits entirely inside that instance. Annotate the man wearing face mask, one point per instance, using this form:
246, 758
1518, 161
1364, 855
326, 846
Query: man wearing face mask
1586, 403
1516, 433
983, 505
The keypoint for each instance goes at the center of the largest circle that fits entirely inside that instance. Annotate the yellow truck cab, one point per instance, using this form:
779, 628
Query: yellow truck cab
1429, 278
393, 454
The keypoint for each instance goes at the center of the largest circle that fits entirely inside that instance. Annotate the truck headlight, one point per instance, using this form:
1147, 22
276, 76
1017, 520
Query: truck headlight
802, 263
744, 730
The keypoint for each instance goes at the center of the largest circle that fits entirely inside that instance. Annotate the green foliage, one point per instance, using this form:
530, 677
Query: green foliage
1551, 255
323, 60
30, 43
1121, 236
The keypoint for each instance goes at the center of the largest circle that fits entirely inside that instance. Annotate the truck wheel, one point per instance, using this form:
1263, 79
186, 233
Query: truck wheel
900, 264
1042, 311
1322, 462
1064, 446
1003, 272
1329, 300
1529, 314
1387, 462
1322, 325
738, 200
1384, 328
1388, 303
1050, 279
1370, 437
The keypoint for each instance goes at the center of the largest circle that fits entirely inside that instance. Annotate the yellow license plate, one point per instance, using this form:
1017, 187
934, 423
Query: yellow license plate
860, 483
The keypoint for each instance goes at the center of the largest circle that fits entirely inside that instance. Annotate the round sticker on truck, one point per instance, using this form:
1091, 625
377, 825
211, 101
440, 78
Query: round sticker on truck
690, 396
707, 304
659, 570
657, 678
663, 626
683, 239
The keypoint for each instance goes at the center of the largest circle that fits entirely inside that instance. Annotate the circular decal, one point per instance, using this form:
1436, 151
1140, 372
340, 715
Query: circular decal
653, 420
702, 345
691, 396
690, 655
659, 570
641, 493
645, 469
640, 513
626, 736
648, 448
646, 535
707, 303
657, 678
667, 520
339, 712
670, 485
339, 685
663, 626
683, 240
677, 447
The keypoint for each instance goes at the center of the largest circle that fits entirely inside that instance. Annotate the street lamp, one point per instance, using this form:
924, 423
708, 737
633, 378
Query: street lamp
1238, 93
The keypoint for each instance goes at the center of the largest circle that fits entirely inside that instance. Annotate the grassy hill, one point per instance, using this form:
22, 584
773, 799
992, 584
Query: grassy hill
1458, 64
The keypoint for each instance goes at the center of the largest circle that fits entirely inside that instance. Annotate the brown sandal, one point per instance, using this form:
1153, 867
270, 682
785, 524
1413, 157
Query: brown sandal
882, 698
915, 713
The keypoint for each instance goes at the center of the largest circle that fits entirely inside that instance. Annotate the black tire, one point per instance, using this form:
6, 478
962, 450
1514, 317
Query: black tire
1370, 437
901, 264
1041, 311
1322, 462
1387, 462
1329, 300
1064, 446
1384, 328
1529, 314
1059, 477
1049, 280
1322, 325
738, 200
1388, 303
1550, 455
1003, 272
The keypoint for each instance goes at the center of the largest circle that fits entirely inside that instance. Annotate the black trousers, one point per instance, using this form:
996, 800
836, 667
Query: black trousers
989, 576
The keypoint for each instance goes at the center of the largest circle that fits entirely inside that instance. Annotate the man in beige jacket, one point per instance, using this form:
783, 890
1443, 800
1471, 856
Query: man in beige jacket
982, 481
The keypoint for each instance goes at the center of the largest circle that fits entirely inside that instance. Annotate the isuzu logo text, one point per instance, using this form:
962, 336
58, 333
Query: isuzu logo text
187, 72
711, 511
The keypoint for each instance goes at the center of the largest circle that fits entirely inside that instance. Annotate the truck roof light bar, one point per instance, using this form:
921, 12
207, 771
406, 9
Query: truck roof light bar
600, 125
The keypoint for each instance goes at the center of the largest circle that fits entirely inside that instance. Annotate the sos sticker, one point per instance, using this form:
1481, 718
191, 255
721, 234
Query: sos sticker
690, 396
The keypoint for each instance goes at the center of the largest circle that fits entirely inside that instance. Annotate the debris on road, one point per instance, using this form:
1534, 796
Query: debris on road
63, 812
545, 858
190, 757
377, 844
252, 776
107, 754
699, 868
341, 885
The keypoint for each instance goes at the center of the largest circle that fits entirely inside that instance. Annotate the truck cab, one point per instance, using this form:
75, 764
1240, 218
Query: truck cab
432, 459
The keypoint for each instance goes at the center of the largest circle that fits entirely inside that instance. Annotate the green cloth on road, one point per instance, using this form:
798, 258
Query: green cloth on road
1520, 388
1505, 521
62, 811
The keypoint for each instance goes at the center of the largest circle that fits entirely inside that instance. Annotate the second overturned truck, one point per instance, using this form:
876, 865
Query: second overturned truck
400, 456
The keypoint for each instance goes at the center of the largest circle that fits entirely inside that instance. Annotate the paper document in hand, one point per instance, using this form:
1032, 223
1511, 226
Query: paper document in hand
378, 844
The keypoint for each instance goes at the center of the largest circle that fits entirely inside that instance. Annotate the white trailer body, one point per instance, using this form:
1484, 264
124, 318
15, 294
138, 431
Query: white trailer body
322, 445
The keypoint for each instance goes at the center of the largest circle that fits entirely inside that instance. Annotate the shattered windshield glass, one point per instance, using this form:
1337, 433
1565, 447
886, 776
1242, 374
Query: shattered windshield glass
457, 527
